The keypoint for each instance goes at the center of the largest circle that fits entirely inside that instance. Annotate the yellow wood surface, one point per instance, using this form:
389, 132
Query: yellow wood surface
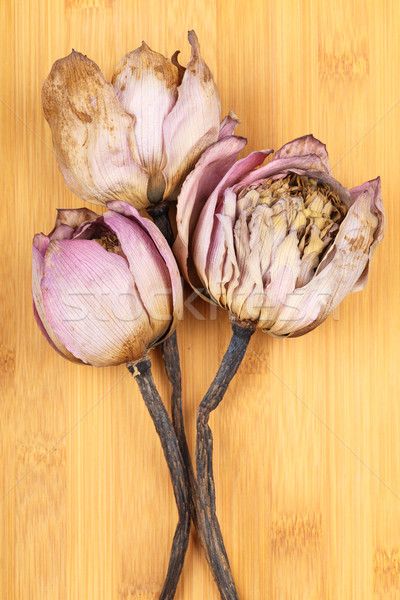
307, 440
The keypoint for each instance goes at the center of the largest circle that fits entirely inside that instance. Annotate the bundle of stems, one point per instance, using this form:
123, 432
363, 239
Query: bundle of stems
199, 499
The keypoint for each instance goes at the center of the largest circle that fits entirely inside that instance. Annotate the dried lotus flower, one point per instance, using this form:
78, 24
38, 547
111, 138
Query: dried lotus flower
134, 139
281, 245
105, 288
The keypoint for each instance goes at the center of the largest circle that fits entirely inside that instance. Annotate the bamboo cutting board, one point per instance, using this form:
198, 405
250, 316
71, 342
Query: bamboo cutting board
307, 440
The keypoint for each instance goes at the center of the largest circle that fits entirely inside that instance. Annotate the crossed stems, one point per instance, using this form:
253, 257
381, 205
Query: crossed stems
202, 490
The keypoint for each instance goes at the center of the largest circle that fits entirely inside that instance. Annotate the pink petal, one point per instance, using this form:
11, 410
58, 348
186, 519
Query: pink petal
146, 85
202, 234
228, 125
38, 305
148, 269
165, 251
41, 242
93, 136
220, 276
214, 163
92, 303
69, 221
282, 166
63, 232
194, 122
305, 145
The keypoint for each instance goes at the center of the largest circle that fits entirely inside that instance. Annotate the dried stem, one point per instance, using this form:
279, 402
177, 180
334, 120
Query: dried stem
159, 214
170, 354
205, 521
169, 442
204, 456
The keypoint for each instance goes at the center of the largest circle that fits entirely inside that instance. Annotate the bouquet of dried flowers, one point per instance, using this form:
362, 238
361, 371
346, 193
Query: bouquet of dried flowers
278, 246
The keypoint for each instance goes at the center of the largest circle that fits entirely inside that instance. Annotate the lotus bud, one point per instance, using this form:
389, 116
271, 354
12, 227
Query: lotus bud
281, 245
105, 288
134, 139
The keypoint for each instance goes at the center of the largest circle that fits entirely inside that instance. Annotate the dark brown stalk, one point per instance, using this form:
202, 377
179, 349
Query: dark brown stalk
159, 214
204, 460
170, 352
208, 529
142, 373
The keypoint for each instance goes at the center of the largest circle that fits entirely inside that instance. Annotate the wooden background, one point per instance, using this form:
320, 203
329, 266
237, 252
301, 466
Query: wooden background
307, 444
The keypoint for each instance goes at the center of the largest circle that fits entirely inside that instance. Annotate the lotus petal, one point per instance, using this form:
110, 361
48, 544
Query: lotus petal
40, 244
308, 306
163, 248
213, 165
92, 303
305, 145
194, 122
153, 283
146, 85
93, 136
228, 125
203, 231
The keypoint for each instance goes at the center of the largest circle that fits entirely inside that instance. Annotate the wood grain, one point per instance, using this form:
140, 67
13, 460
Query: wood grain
307, 441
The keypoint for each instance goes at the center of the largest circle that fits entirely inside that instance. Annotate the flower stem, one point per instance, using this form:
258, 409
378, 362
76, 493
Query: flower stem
170, 353
159, 214
207, 529
142, 373
204, 465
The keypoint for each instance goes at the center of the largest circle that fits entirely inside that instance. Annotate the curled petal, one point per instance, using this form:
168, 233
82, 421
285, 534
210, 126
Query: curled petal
228, 125
92, 304
64, 232
278, 168
181, 68
245, 293
373, 189
161, 245
74, 217
212, 166
350, 254
146, 85
307, 144
93, 136
194, 122
68, 220
41, 242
